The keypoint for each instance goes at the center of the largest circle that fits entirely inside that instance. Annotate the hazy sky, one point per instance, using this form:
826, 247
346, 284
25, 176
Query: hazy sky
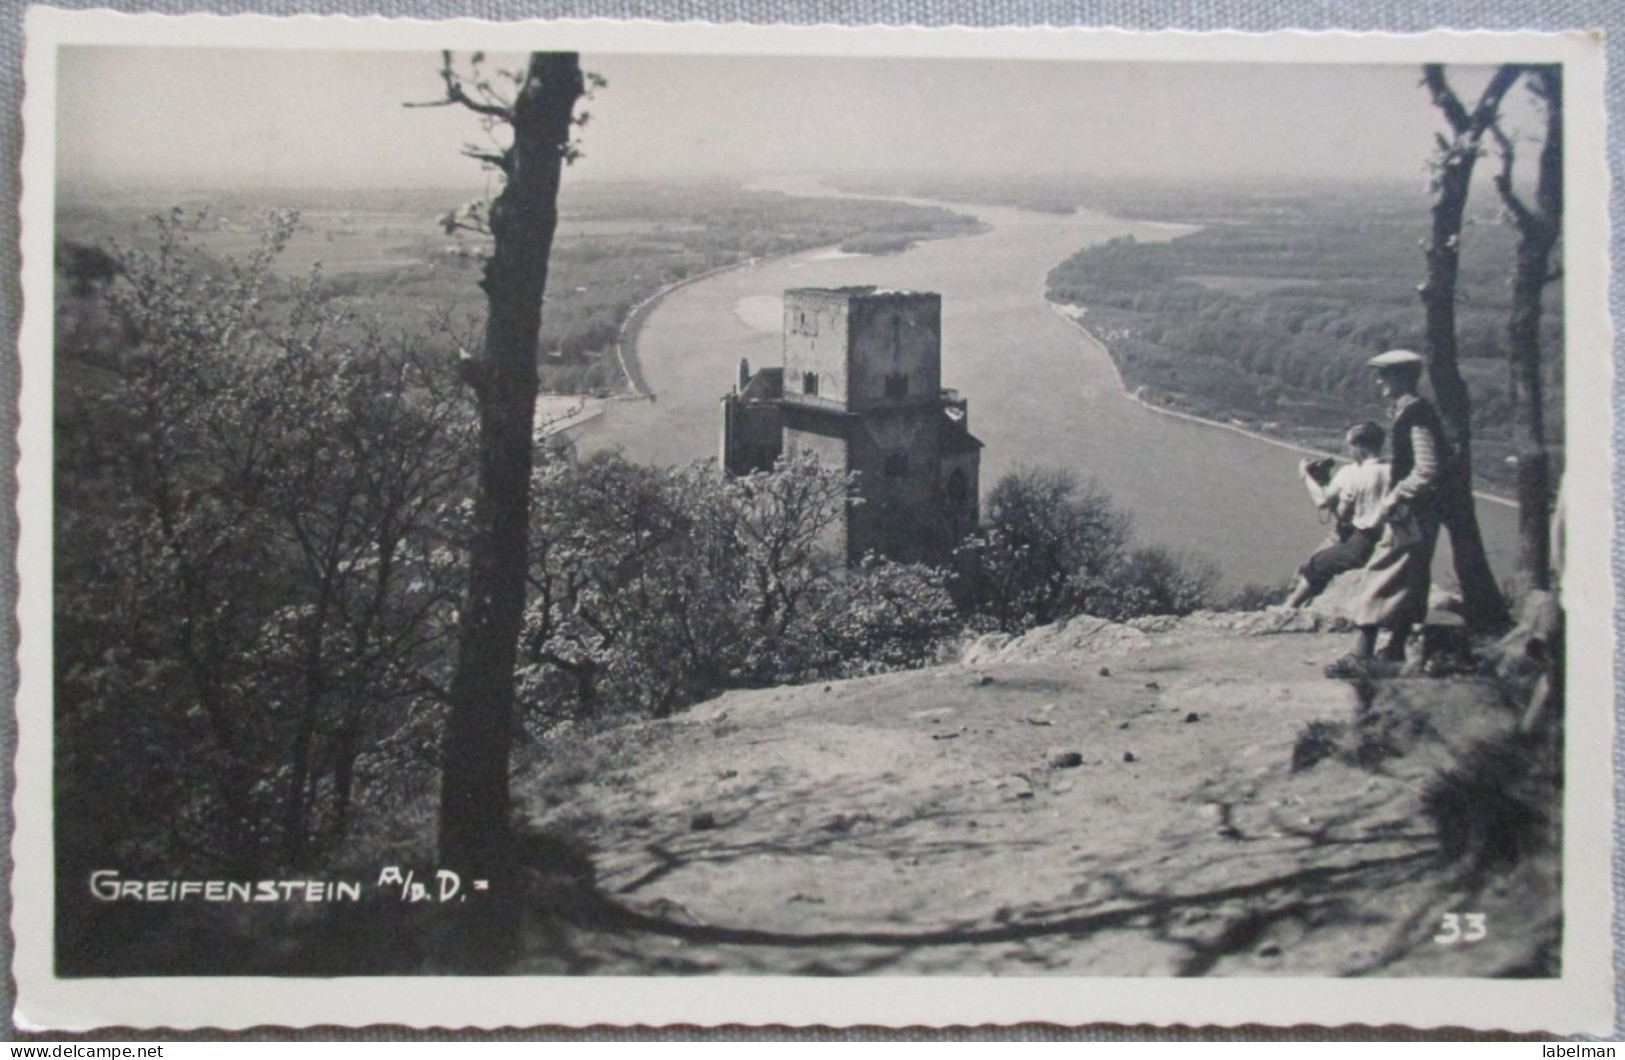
279, 118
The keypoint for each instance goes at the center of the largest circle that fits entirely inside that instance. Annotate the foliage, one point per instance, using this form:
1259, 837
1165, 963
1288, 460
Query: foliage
653, 587
1316, 742
1254, 596
618, 572
1050, 547
254, 562
262, 511
883, 616
1046, 542
1156, 581
1271, 323
1539, 224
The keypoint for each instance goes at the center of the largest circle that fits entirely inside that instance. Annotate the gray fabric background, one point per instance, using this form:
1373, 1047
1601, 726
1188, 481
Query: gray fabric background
1251, 15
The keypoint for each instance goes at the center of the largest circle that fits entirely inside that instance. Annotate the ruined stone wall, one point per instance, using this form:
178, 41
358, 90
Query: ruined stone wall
752, 435
961, 498
824, 436
894, 452
896, 357
816, 348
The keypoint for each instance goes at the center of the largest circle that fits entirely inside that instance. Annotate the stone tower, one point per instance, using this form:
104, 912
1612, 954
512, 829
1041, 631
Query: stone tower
861, 388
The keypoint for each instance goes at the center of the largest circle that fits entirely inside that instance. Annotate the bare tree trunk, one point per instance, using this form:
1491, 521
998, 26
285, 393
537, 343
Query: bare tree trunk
296, 812
1538, 232
1481, 597
475, 832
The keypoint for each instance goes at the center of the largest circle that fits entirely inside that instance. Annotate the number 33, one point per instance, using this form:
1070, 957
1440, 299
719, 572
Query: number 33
1451, 928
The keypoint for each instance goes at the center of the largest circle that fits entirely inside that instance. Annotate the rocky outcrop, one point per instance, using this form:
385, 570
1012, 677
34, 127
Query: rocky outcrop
1080, 638
1241, 623
1083, 638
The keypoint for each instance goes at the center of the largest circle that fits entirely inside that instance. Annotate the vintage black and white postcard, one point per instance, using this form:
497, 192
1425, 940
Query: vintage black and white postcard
626, 523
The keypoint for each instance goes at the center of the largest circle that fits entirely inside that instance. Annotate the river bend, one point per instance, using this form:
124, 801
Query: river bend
1041, 391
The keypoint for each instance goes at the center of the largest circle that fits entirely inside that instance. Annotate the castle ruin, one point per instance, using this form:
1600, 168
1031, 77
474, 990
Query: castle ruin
861, 387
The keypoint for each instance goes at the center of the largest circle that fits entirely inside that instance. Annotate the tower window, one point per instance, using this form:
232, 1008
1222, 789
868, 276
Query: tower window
958, 487
896, 465
897, 386
809, 383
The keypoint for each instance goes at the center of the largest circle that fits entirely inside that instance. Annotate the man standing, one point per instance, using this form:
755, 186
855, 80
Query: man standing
1397, 579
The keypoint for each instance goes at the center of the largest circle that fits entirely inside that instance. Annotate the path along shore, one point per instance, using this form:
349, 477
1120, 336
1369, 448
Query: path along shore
626, 339
1161, 410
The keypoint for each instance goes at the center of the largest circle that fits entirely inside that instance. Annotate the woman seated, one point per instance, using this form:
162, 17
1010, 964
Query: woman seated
1354, 498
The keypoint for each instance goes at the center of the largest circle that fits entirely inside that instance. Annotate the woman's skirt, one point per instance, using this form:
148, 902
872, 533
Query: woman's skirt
1397, 580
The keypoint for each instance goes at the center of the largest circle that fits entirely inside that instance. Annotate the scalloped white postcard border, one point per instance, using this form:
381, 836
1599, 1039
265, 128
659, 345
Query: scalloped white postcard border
1581, 1000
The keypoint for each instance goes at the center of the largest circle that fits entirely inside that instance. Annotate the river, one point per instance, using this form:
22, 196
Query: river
1041, 391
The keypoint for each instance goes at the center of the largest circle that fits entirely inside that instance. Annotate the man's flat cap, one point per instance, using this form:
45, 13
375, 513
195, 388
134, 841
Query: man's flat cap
1394, 359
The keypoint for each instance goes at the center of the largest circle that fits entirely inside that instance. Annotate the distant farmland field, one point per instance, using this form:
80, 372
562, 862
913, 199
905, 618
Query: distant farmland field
387, 255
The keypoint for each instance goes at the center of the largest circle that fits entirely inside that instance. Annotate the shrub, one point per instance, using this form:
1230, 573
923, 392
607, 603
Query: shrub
1254, 597
1316, 742
883, 616
629, 593
1046, 540
655, 587
1153, 581
1051, 547
1493, 808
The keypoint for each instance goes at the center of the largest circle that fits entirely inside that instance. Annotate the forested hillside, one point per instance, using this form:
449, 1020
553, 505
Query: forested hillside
1268, 320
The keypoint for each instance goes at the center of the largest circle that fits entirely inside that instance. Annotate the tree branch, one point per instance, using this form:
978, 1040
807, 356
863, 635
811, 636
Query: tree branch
1455, 112
1444, 97
500, 161
456, 96
1489, 103
1547, 85
1521, 214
